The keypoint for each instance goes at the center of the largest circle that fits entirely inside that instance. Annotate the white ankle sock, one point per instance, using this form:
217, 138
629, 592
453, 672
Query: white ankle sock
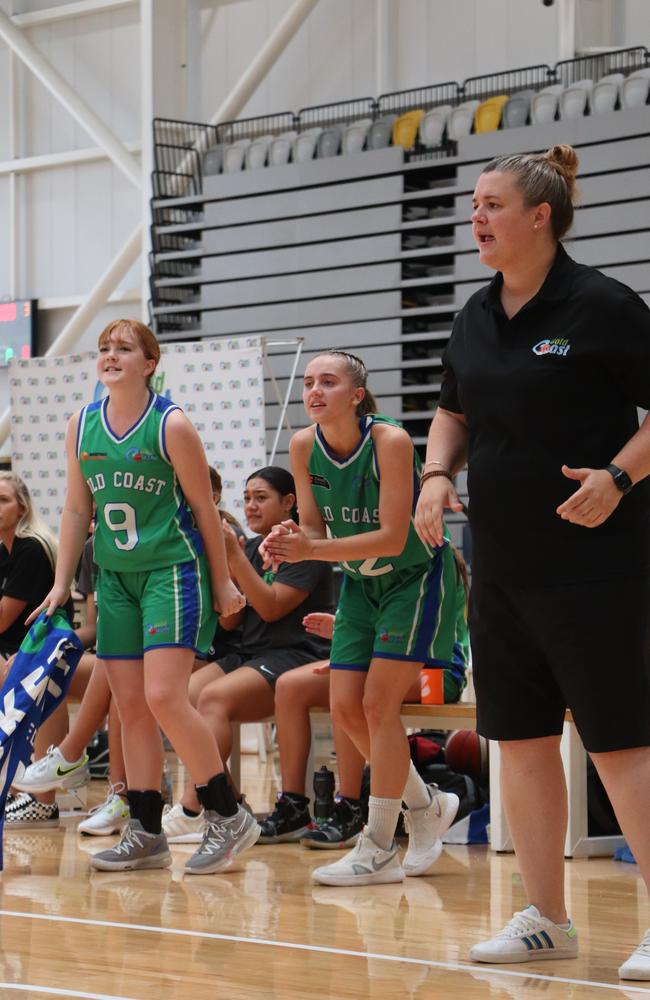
416, 793
382, 820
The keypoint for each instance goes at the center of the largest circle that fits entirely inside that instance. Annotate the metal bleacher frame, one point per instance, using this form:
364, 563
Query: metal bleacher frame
373, 251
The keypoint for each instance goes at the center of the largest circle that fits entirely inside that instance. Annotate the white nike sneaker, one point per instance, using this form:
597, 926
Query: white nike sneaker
426, 828
637, 965
54, 771
365, 864
528, 937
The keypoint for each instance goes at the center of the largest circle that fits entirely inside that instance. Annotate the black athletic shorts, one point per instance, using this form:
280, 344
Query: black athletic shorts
270, 665
585, 646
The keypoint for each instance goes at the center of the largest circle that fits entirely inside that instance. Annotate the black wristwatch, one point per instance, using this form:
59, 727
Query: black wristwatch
621, 478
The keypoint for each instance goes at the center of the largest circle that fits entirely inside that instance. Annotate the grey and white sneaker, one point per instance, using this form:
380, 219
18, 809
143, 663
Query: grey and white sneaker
224, 838
365, 864
136, 849
425, 828
54, 771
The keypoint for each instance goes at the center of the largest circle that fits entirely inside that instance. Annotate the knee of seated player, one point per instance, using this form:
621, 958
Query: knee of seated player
210, 704
301, 688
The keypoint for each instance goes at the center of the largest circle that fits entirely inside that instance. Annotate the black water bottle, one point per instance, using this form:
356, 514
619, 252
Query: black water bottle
323, 793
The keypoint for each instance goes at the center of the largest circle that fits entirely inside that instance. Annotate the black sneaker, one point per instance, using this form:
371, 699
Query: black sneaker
288, 822
341, 829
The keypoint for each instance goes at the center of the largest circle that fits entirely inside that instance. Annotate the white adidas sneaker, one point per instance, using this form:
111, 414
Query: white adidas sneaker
528, 937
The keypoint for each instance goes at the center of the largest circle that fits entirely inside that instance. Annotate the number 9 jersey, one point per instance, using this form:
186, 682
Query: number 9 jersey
143, 520
346, 492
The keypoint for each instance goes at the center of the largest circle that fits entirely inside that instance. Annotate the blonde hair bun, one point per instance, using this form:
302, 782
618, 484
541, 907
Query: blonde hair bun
565, 160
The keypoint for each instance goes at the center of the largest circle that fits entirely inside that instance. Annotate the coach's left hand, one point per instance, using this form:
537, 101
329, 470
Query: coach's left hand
594, 501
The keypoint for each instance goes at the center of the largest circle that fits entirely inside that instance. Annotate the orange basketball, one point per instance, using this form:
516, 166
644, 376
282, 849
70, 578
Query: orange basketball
467, 753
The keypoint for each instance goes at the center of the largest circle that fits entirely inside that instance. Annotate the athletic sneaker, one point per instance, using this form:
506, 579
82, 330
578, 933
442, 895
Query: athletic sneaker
109, 817
27, 813
365, 864
288, 822
637, 965
136, 849
341, 829
425, 828
179, 828
529, 937
225, 837
54, 771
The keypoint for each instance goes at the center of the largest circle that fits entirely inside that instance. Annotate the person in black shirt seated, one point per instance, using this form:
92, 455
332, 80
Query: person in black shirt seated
239, 687
27, 557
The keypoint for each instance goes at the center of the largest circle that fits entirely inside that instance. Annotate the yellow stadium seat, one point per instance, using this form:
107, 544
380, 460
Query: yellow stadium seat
488, 114
405, 129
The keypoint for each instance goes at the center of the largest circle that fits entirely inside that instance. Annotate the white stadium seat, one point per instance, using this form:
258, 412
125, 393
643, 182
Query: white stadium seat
606, 92
544, 105
355, 135
433, 125
574, 100
634, 92
461, 119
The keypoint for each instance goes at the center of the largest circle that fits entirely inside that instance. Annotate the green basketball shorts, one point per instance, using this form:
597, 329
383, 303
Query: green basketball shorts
171, 606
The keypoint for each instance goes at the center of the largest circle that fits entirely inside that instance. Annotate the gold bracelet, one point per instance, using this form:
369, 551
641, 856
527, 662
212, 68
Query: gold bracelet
435, 472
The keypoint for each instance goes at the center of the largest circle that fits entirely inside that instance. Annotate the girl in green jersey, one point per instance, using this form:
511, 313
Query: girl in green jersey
356, 480
162, 570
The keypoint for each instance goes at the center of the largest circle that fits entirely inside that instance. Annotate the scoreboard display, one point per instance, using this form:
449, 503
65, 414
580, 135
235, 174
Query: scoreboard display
17, 329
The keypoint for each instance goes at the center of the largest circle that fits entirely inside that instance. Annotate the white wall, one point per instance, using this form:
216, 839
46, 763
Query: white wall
333, 56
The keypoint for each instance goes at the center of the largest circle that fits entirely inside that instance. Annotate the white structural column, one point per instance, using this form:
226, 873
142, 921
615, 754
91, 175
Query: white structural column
385, 30
69, 98
566, 28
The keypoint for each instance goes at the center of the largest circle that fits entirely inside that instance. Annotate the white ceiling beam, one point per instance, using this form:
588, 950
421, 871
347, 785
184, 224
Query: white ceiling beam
69, 10
69, 158
69, 98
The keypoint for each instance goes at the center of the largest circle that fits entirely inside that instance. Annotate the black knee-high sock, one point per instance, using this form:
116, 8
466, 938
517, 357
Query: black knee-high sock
147, 806
217, 796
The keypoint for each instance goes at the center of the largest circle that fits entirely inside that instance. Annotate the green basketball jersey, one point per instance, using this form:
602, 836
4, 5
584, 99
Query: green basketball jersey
143, 519
347, 493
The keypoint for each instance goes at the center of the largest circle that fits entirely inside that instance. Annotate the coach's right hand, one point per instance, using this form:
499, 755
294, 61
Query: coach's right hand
436, 494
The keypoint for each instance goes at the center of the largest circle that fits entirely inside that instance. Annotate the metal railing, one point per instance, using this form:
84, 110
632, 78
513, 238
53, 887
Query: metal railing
508, 82
336, 113
400, 101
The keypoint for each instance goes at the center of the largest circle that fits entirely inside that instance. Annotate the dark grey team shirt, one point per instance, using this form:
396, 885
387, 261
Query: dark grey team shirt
317, 579
558, 383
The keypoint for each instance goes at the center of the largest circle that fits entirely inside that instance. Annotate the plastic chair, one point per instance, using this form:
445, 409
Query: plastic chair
213, 160
516, 111
635, 89
461, 120
405, 128
433, 125
329, 142
380, 132
543, 108
233, 157
355, 135
487, 117
257, 152
304, 145
606, 93
574, 100
280, 149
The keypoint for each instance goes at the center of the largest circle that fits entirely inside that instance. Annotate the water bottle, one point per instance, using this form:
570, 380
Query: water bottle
323, 793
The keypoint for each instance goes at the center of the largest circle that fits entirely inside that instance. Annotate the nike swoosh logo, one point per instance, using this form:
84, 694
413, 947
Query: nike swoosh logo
62, 771
378, 867
265, 669
375, 866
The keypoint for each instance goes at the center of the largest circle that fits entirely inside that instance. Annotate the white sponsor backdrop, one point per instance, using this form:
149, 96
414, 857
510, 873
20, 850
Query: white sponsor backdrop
218, 383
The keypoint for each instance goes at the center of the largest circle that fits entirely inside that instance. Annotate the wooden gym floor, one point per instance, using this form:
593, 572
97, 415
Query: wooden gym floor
263, 930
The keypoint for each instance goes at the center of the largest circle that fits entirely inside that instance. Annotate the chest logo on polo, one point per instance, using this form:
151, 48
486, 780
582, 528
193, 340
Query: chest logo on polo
560, 346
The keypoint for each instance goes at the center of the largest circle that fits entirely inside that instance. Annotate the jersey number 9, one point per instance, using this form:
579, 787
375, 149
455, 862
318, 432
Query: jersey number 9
126, 524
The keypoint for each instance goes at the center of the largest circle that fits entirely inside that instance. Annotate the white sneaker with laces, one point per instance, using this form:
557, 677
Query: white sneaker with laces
54, 771
426, 828
365, 864
108, 817
528, 937
637, 965
179, 828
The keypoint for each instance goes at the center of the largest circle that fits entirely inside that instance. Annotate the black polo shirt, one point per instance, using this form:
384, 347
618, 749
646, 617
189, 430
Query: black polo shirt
559, 383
